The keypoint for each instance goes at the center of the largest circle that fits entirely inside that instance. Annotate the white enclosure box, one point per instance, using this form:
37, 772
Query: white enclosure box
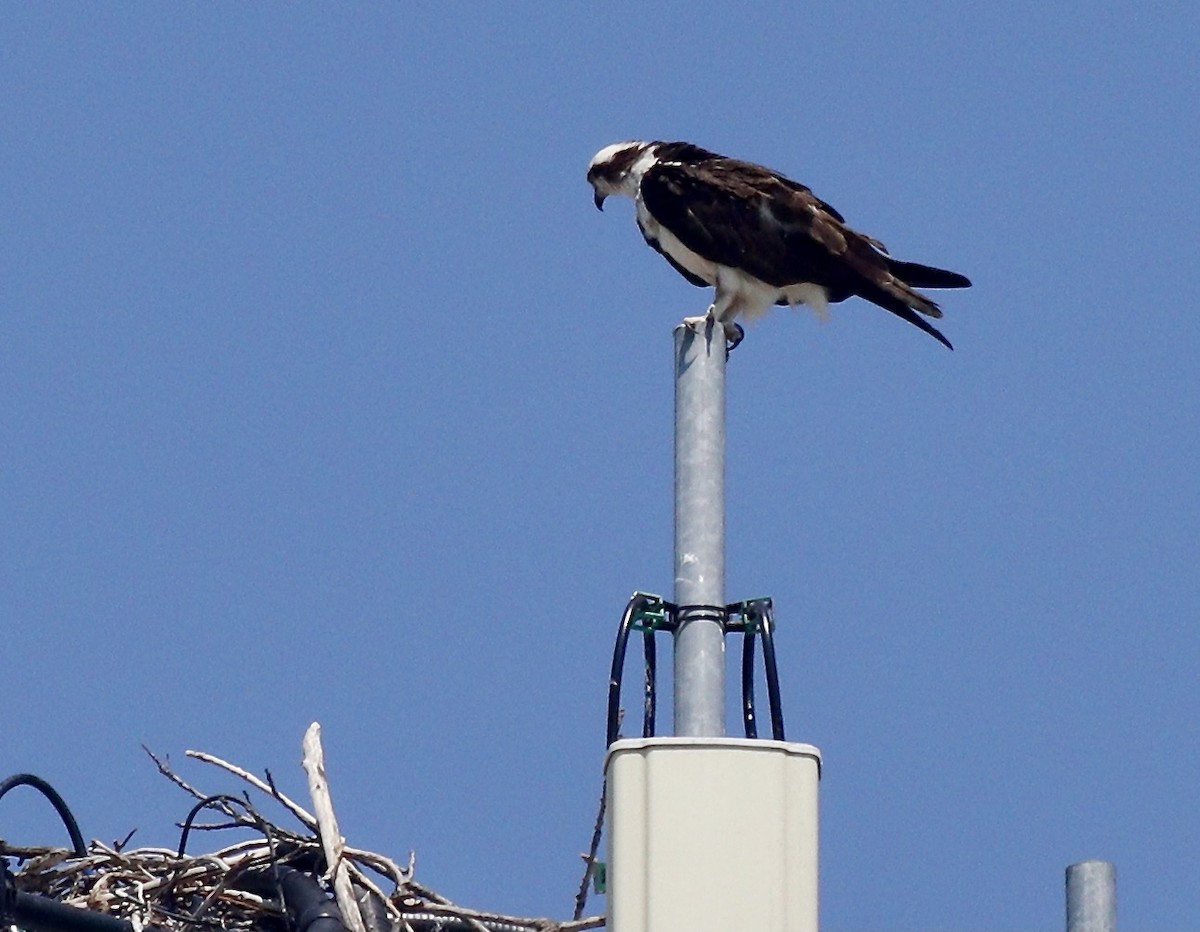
712, 834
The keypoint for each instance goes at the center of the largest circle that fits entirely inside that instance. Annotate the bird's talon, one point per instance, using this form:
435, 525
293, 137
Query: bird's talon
734, 334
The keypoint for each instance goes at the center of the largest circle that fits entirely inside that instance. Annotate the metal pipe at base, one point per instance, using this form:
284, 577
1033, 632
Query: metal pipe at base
700, 357
1092, 897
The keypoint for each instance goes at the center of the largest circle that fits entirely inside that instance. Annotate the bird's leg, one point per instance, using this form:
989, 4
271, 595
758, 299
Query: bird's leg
734, 334
723, 311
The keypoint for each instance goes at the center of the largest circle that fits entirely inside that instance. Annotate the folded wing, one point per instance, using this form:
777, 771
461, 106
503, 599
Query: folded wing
746, 216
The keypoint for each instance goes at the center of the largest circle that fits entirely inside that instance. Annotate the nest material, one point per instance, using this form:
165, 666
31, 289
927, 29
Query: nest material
171, 890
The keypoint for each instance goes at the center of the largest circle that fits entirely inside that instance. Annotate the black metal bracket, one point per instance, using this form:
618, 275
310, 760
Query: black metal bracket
650, 614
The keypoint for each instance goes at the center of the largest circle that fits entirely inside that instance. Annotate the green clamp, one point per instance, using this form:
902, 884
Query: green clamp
652, 616
750, 612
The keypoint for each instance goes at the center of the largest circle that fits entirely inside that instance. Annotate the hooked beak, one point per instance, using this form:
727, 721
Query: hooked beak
598, 200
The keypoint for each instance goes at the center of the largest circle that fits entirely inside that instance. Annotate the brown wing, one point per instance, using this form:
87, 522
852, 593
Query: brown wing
751, 218
745, 216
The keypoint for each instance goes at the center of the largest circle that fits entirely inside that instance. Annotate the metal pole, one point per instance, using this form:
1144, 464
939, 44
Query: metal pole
700, 530
1092, 897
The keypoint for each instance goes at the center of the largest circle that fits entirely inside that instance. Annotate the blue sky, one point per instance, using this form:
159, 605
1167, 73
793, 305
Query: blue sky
328, 395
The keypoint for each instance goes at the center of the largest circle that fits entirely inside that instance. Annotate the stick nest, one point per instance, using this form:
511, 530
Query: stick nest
157, 888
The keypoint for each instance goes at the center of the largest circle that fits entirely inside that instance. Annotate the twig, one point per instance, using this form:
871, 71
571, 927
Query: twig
578, 925
590, 857
424, 893
298, 811
165, 769
385, 867
434, 902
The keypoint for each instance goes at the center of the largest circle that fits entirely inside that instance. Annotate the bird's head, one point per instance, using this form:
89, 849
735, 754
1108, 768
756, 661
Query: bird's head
618, 168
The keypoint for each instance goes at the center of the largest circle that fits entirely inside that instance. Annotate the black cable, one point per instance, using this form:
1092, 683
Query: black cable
8, 895
34, 913
768, 639
618, 668
758, 617
748, 717
638, 602
308, 908
259, 822
29, 779
208, 801
649, 614
651, 665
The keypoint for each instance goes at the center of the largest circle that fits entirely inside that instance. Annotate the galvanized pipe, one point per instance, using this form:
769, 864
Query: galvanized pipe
1092, 897
700, 530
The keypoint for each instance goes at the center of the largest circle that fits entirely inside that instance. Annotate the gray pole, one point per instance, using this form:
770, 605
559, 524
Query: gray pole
1092, 897
700, 530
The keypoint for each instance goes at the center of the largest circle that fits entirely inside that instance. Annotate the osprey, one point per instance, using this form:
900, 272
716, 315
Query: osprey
760, 238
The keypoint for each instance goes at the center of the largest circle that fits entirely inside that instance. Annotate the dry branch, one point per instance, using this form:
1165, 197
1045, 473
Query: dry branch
298, 811
332, 841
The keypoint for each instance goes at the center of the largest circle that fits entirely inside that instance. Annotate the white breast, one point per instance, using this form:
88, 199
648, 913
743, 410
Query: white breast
739, 294
669, 243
